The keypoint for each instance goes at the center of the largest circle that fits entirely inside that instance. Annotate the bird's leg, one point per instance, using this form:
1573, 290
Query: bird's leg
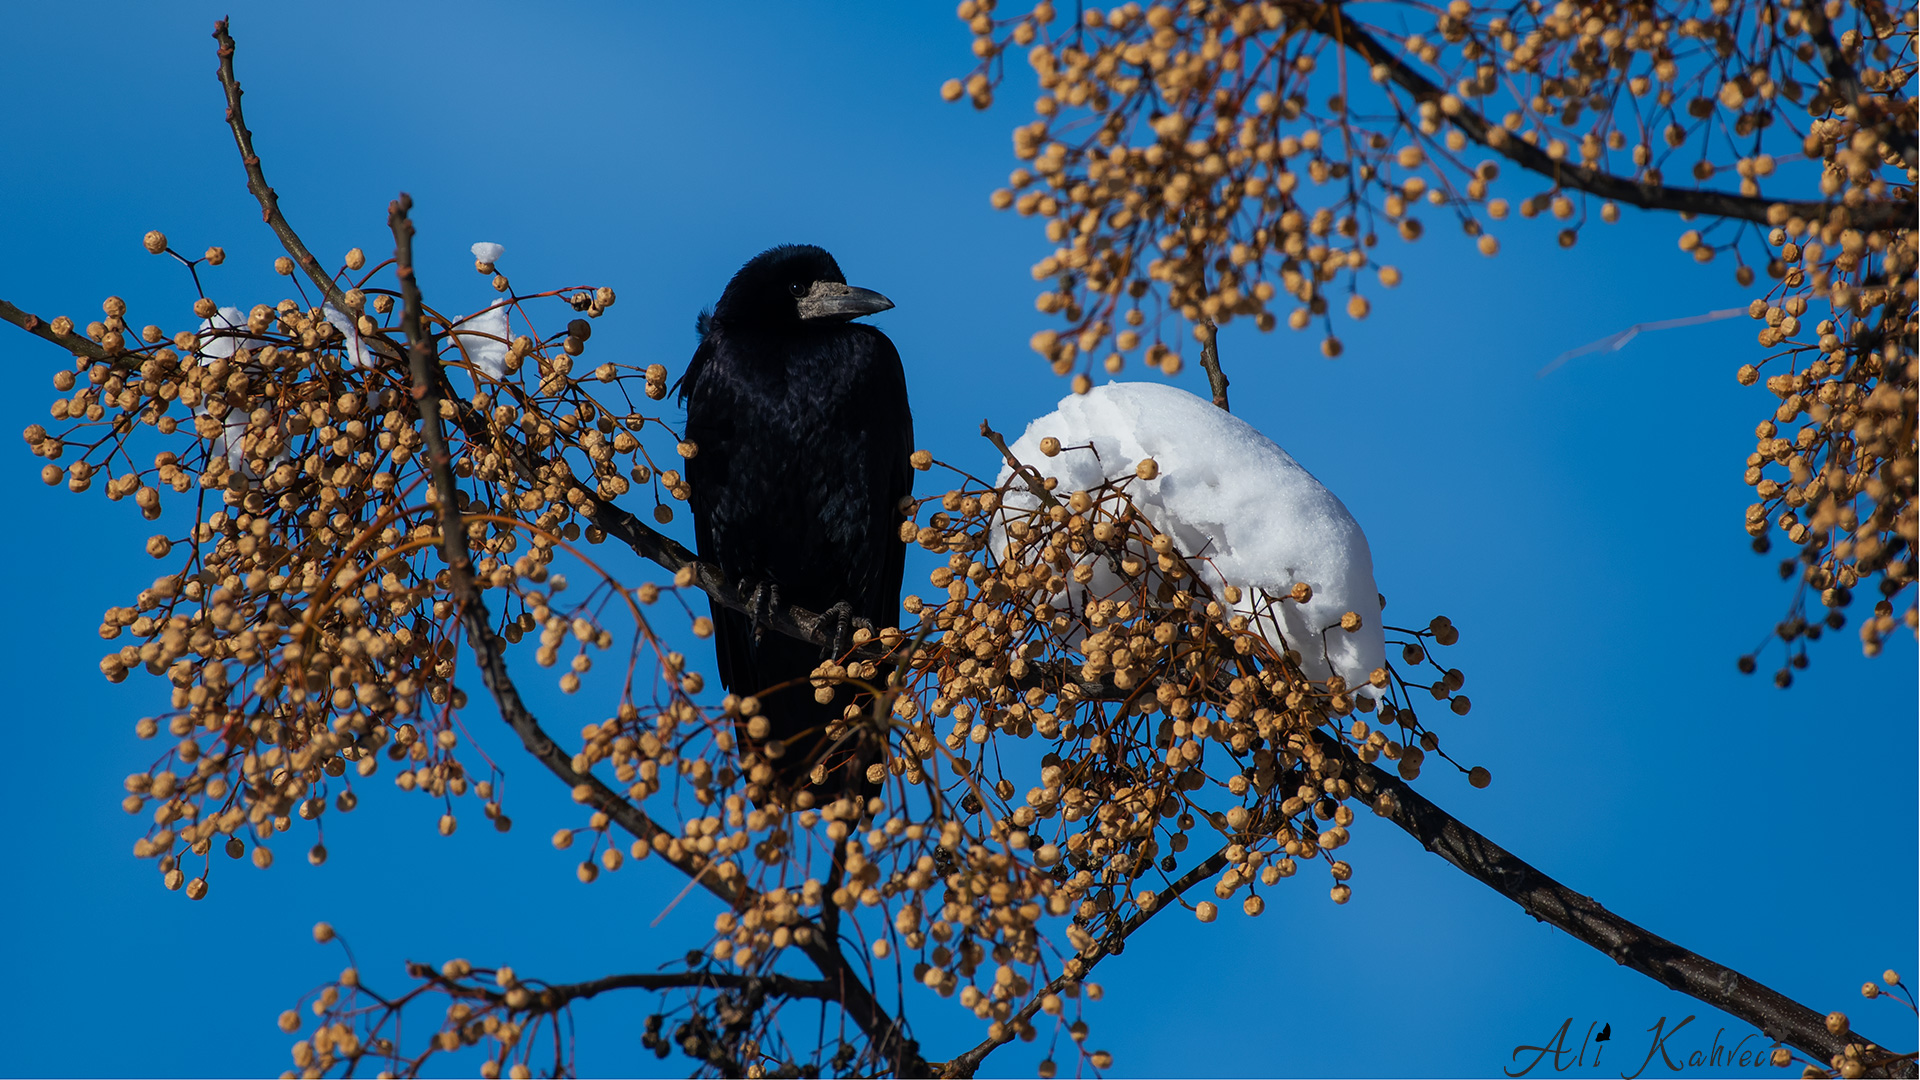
840, 617
763, 599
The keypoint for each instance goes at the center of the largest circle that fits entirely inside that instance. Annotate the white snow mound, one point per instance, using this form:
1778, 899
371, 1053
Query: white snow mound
487, 252
1239, 507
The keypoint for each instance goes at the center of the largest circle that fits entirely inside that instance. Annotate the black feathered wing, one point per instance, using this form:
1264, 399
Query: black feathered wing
801, 469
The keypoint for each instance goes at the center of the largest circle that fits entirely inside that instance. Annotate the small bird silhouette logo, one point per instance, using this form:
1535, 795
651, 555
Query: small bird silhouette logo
1606, 1032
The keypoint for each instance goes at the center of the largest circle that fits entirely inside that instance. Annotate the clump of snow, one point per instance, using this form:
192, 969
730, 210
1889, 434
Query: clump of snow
484, 337
487, 252
1239, 507
358, 354
222, 335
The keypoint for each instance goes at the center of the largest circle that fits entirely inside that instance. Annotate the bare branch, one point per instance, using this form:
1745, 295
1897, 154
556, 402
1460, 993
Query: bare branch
1777, 1016
1210, 363
1331, 20
257, 179
38, 327
1028, 475
884, 1032
557, 996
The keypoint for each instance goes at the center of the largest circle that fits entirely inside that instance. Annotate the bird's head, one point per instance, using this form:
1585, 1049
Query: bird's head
792, 285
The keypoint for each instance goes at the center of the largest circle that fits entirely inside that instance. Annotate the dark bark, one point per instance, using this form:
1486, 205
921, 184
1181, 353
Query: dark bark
1775, 1015
38, 327
1210, 363
1331, 20
885, 1034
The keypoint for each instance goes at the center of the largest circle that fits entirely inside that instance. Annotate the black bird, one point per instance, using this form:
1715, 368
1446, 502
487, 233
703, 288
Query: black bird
804, 444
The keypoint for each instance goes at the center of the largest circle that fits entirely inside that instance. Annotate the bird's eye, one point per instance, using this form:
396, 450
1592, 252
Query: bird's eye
798, 288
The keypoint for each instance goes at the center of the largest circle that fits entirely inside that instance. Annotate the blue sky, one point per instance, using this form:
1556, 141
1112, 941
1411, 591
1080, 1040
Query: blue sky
1582, 530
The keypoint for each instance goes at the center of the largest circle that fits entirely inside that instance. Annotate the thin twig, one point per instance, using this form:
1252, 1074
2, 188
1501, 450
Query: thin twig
257, 179
1029, 475
38, 327
557, 996
1210, 363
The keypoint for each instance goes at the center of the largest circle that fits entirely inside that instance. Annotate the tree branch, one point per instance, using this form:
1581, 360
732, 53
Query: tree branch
559, 995
645, 541
1775, 1015
1841, 76
1210, 363
257, 179
1028, 474
38, 327
885, 1034
1330, 20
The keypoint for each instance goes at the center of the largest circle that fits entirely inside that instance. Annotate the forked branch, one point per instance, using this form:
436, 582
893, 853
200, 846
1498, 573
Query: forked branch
885, 1033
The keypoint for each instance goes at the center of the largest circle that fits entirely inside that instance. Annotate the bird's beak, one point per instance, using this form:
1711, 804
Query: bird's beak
832, 300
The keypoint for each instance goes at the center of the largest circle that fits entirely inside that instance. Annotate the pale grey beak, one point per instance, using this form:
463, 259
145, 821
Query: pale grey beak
832, 300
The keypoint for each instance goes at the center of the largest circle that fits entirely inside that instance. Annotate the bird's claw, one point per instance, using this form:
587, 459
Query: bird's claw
840, 617
763, 599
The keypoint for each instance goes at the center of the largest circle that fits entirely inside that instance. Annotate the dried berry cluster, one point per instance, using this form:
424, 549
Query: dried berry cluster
1047, 766
1834, 467
1222, 158
302, 623
1074, 736
1043, 757
1856, 1059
